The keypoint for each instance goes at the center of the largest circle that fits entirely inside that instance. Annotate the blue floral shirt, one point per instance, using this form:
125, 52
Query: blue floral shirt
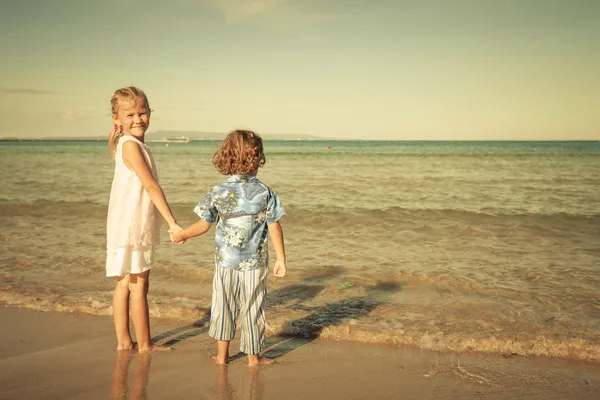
243, 207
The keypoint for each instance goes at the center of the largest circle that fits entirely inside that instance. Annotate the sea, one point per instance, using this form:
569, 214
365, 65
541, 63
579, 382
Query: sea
490, 247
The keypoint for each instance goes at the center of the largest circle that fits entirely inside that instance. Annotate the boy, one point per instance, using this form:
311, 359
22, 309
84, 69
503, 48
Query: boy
246, 211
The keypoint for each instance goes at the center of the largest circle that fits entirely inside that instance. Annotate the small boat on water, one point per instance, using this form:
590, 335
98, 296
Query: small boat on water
172, 139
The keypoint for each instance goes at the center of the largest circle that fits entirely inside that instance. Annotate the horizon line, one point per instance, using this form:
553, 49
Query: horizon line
316, 139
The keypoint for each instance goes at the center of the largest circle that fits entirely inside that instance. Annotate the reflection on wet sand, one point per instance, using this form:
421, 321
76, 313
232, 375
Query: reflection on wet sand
223, 389
256, 388
252, 388
120, 388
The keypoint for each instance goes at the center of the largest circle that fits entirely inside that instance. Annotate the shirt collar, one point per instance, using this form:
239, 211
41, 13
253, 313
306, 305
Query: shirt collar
241, 178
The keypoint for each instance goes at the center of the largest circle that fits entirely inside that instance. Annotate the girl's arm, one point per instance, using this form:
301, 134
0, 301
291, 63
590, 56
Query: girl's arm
276, 234
135, 161
198, 228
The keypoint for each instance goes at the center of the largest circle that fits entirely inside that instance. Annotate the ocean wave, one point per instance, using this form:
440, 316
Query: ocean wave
343, 323
313, 211
440, 212
99, 307
542, 345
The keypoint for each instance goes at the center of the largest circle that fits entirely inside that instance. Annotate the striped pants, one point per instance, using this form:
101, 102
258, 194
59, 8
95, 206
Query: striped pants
242, 293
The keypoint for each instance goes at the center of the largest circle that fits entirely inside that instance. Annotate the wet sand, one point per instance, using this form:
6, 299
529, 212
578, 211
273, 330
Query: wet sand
52, 355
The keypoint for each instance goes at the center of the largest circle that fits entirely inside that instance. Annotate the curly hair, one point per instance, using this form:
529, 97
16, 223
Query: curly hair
130, 93
240, 153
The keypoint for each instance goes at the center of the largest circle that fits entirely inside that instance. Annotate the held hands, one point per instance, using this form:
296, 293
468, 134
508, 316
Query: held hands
175, 234
280, 269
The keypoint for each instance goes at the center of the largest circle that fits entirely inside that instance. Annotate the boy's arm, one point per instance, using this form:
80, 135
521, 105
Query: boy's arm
276, 234
196, 229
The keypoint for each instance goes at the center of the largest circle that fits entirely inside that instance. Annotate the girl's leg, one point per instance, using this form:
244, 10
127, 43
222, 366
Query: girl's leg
138, 287
121, 313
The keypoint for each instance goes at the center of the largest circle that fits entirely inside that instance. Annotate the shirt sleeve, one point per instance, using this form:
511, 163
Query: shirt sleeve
206, 208
275, 209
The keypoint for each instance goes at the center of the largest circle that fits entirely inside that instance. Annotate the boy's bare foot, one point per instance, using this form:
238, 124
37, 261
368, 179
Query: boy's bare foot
218, 361
127, 346
155, 348
260, 361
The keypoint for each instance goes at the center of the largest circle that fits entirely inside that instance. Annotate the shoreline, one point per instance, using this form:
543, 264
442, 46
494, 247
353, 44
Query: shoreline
75, 358
573, 350
293, 139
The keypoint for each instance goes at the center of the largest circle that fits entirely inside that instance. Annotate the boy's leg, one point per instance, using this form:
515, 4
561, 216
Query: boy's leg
253, 297
254, 360
121, 313
138, 286
222, 352
223, 311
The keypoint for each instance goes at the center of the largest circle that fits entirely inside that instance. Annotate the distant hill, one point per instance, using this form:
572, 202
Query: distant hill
161, 134
201, 135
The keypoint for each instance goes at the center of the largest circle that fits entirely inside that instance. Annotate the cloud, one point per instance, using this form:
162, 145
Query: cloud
238, 10
283, 13
26, 91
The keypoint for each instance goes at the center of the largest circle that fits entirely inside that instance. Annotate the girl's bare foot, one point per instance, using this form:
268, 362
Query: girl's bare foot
155, 348
127, 346
218, 360
259, 361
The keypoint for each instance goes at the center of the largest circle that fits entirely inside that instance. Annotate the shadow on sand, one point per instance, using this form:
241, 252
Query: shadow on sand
180, 334
304, 330
302, 292
298, 293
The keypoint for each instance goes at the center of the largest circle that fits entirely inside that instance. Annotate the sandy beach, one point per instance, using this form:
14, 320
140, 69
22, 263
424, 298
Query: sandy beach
52, 355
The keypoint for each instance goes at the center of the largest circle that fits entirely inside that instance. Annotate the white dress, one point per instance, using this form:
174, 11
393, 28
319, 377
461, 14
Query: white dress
133, 223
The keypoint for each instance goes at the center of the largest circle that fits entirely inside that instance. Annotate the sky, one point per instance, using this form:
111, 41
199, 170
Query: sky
341, 69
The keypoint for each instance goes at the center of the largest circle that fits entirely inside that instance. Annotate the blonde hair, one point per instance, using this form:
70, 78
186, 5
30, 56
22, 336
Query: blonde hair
240, 153
130, 93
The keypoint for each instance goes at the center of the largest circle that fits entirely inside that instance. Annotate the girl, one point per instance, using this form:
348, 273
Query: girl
246, 209
133, 222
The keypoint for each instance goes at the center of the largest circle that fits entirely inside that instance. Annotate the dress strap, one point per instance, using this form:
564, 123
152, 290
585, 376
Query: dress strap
124, 138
